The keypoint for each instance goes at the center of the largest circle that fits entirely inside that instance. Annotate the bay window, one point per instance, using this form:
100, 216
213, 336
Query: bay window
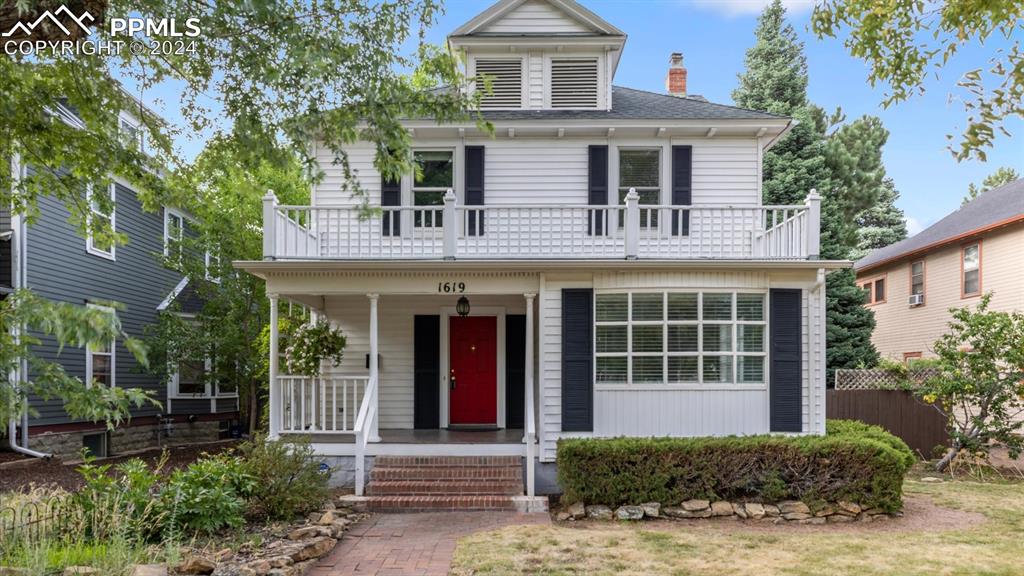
656, 337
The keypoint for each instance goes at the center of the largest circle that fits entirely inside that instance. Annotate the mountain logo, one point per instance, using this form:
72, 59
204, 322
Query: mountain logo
24, 29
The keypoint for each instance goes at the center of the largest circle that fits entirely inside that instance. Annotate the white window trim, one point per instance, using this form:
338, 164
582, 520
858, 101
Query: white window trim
699, 385
413, 189
123, 120
207, 257
174, 392
660, 188
112, 352
89, 246
168, 212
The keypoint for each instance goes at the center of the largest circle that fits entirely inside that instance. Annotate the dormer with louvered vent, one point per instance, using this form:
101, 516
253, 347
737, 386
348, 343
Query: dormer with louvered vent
541, 55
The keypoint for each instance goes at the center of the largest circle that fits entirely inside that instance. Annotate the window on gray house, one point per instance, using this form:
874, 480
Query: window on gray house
435, 171
641, 169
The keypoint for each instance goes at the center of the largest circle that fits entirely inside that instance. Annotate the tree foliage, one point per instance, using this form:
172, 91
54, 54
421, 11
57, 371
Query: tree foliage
903, 41
270, 74
882, 224
33, 319
980, 385
1002, 175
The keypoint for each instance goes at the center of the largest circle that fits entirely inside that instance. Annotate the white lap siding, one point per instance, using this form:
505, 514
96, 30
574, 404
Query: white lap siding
396, 317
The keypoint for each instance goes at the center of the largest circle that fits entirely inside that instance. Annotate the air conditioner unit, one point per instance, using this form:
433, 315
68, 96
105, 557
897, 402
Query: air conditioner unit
915, 299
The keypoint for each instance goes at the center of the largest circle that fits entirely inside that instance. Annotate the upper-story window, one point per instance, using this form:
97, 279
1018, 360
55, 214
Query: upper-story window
435, 174
99, 358
506, 79
574, 83
970, 262
874, 290
640, 168
130, 132
101, 215
174, 233
917, 278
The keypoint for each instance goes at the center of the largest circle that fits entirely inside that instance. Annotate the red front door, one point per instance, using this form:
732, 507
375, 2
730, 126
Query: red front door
473, 377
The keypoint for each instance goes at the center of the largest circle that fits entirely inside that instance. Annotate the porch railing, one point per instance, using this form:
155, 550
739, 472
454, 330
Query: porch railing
322, 405
542, 231
364, 427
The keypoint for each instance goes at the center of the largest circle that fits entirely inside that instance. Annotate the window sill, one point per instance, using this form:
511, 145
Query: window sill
106, 255
679, 387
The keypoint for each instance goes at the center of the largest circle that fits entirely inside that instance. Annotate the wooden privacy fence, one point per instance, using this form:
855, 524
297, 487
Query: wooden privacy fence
919, 424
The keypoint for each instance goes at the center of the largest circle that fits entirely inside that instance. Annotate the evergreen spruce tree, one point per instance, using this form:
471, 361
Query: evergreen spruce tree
1001, 176
882, 224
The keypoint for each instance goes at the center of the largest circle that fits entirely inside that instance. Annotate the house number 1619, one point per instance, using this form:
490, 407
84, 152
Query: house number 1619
451, 287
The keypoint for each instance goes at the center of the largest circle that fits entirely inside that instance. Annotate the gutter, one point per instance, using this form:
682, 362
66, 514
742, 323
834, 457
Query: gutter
792, 124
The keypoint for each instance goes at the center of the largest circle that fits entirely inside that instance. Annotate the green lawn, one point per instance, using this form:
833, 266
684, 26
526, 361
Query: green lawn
935, 537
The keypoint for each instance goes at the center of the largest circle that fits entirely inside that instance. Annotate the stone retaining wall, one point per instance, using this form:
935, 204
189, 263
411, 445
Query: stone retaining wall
68, 445
787, 511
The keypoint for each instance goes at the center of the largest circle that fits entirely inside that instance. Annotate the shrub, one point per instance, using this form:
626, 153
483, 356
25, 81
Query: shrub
207, 495
288, 480
125, 501
850, 466
858, 429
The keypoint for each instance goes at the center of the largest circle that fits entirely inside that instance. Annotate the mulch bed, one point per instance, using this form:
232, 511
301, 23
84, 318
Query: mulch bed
55, 474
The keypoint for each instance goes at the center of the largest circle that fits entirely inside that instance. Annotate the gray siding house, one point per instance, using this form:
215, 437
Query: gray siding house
51, 258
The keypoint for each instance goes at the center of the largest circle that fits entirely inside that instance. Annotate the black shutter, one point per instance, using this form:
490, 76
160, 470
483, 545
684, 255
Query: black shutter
474, 190
515, 370
391, 195
786, 356
577, 360
597, 189
682, 188
426, 371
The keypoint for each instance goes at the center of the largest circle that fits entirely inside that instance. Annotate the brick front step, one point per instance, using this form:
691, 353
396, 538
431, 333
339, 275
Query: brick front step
438, 503
446, 473
446, 487
446, 461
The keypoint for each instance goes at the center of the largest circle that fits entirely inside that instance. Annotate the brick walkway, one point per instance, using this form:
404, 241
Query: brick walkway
411, 544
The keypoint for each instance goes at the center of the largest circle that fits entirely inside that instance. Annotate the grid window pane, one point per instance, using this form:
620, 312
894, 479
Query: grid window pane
971, 257
648, 306
750, 337
717, 369
612, 307
190, 377
682, 369
717, 337
682, 338
682, 306
611, 369
639, 168
648, 369
612, 338
717, 306
750, 307
434, 169
880, 290
971, 282
750, 369
648, 338
101, 368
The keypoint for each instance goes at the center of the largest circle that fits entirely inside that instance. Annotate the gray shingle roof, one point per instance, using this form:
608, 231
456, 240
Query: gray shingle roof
996, 205
632, 104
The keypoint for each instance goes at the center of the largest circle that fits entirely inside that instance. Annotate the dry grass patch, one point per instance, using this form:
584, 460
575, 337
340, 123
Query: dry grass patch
937, 536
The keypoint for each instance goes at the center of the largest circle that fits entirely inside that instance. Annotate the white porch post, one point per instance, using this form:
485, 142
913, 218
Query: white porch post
450, 230
632, 227
813, 225
274, 390
374, 369
269, 228
528, 412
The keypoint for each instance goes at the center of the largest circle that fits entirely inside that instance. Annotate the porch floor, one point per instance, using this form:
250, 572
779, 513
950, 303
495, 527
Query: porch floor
441, 436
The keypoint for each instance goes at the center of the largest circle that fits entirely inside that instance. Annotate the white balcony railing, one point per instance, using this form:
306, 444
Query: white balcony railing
542, 231
321, 404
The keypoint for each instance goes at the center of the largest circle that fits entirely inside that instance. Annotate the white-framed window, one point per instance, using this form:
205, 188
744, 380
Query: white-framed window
194, 379
680, 337
102, 213
174, 233
212, 266
130, 132
970, 264
101, 359
640, 168
917, 278
434, 175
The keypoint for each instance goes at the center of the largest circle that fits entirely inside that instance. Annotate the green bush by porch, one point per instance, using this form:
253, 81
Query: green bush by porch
854, 462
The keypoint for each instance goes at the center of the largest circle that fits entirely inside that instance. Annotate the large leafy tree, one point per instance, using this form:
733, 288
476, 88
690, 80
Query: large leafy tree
882, 224
1002, 175
903, 41
271, 74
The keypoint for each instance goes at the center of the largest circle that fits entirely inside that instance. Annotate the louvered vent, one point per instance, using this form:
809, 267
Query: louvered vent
506, 77
574, 83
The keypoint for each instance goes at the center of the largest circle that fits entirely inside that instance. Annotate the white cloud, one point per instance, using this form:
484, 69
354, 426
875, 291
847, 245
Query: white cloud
746, 7
914, 226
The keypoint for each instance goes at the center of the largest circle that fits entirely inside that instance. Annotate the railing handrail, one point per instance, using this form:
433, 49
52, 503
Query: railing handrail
364, 409
354, 208
362, 427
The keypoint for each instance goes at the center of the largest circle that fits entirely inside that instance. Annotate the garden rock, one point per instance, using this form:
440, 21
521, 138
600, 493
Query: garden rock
755, 510
721, 508
577, 510
840, 518
793, 507
81, 571
599, 512
629, 513
315, 548
307, 532
695, 505
327, 518
258, 567
197, 565
771, 510
563, 516
740, 510
651, 509
149, 570
848, 508
680, 512
796, 516
280, 561
223, 554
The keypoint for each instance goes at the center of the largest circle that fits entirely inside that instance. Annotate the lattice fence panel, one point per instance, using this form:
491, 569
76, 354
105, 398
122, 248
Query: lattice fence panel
880, 379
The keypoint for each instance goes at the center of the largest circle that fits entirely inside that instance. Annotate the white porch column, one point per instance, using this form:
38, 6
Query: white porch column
632, 227
813, 225
530, 419
374, 369
274, 390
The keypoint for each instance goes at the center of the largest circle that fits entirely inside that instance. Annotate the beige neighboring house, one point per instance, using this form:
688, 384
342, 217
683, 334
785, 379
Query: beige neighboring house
912, 284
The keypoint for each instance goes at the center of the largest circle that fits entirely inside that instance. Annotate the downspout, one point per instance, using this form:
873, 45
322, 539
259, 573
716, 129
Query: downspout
19, 251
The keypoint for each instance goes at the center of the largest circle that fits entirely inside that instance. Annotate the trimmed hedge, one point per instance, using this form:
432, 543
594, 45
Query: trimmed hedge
856, 463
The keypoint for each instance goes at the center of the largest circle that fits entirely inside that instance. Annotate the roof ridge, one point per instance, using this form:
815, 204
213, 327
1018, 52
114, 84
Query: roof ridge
702, 101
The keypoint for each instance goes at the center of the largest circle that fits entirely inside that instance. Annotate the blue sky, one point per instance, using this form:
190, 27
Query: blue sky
713, 36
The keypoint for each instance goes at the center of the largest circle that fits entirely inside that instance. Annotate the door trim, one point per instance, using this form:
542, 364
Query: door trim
446, 313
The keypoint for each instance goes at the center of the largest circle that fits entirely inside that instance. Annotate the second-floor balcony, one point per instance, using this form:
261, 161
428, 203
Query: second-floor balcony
520, 231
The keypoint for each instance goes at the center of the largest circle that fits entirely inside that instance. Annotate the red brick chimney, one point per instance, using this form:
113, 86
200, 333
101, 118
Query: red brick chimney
675, 81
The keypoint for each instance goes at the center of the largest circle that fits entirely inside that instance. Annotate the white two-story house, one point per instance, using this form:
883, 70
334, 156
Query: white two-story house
601, 265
